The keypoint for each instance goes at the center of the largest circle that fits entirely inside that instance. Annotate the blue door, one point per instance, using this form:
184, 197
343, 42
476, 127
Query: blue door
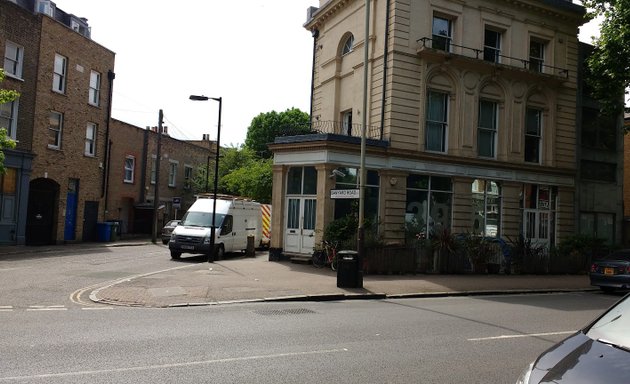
69, 232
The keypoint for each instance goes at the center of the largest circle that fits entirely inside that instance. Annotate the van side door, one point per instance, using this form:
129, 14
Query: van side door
226, 233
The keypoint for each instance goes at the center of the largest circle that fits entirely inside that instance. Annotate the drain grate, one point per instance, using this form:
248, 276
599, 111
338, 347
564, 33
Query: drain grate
284, 312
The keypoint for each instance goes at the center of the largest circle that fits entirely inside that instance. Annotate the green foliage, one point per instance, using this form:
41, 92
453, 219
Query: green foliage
6, 96
254, 180
265, 127
609, 63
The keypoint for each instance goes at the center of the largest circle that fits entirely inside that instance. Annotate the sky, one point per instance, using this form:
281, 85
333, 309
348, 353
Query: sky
254, 54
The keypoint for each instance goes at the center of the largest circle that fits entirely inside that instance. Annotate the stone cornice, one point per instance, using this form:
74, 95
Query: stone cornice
325, 12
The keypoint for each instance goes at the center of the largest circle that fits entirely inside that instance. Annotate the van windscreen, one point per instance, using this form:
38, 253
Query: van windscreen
201, 219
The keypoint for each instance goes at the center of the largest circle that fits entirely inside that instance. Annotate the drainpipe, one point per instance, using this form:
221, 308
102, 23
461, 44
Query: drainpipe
315, 34
106, 157
385, 56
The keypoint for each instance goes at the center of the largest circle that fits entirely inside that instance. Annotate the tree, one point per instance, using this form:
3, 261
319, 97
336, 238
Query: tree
609, 64
6, 96
254, 180
265, 127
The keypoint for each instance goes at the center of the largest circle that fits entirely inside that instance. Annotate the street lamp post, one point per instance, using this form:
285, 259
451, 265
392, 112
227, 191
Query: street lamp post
216, 174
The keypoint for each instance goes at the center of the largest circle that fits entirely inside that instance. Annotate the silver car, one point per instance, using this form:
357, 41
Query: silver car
168, 229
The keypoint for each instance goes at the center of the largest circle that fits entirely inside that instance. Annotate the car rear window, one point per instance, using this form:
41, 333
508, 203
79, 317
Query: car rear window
618, 255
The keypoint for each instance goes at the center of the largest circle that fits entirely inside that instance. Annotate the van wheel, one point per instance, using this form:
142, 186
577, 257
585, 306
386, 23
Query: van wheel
220, 253
175, 255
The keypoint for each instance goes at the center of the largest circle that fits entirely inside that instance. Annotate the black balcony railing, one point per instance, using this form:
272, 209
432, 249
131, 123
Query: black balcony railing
330, 131
533, 65
331, 128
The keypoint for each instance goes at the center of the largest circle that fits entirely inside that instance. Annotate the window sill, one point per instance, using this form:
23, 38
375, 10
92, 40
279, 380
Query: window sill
94, 105
59, 92
90, 155
127, 181
14, 77
54, 148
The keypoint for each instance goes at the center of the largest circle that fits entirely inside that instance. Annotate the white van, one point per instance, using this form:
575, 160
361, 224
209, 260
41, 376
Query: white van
235, 220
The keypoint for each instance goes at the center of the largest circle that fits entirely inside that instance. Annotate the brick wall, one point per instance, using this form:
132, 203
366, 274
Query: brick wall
132, 202
69, 160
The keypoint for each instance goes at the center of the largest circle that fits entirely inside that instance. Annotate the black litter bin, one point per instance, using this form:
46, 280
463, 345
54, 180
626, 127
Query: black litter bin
348, 273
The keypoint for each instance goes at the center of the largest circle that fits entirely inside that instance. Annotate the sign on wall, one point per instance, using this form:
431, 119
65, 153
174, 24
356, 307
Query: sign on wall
344, 193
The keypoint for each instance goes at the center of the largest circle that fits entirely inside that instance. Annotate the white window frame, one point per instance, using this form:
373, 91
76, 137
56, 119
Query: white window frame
188, 176
13, 65
537, 63
172, 172
129, 168
348, 45
9, 113
95, 89
60, 71
491, 130
346, 122
153, 168
46, 7
538, 135
90, 139
494, 51
55, 129
438, 38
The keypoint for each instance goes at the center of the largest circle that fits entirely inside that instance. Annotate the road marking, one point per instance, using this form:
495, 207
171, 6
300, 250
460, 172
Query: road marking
174, 365
46, 308
75, 297
6, 308
522, 335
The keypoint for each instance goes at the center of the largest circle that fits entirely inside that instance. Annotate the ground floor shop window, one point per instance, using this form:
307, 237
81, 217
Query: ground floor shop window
599, 225
347, 178
429, 204
539, 213
486, 208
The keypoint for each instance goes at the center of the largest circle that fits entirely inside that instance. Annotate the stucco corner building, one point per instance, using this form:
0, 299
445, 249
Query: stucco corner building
473, 124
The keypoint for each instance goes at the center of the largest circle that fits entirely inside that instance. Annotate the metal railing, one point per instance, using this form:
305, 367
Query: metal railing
331, 128
534, 65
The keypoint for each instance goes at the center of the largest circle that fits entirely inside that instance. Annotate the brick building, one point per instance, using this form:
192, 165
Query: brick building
61, 121
131, 186
74, 166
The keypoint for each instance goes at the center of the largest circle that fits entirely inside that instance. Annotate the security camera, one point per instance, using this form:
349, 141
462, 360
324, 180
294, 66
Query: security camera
336, 172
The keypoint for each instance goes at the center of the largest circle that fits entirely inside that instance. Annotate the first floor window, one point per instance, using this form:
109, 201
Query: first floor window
188, 175
492, 46
533, 135
172, 173
59, 74
55, 127
429, 205
442, 34
90, 139
130, 165
95, 88
487, 129
346, 118
536, 55
8, 118
13, 59
437, 112
486, 208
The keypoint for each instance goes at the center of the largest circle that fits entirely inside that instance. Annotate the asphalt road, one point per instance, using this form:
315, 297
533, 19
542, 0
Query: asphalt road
486, 339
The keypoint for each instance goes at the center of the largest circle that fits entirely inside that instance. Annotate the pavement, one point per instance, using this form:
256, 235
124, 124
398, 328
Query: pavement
192, 282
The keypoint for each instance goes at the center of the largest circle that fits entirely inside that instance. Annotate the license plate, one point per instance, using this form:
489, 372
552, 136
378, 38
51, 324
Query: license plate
188, 247
609, 271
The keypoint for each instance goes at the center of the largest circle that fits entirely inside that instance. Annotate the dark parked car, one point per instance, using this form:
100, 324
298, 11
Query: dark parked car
612, 271
168, 229
599, 353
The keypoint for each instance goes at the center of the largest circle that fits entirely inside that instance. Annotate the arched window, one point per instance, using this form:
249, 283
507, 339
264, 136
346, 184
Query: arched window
348, 45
